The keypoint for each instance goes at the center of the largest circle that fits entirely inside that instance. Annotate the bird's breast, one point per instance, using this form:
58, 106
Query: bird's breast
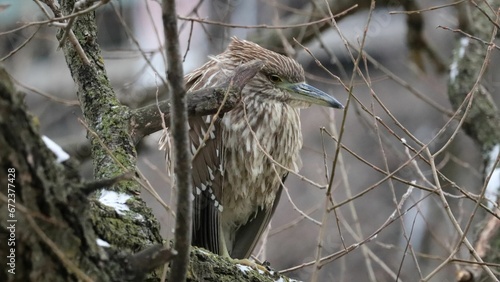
256, 139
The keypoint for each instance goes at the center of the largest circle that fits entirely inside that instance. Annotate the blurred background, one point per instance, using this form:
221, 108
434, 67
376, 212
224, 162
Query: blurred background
410, 88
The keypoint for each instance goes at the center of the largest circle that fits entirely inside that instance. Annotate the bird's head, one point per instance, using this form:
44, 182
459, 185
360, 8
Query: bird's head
280, 79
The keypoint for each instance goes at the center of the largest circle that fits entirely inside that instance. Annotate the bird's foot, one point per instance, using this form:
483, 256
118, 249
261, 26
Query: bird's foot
248, 263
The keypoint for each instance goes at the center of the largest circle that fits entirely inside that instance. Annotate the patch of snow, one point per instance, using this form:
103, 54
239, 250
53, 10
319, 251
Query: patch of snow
56, 149
464, 42
243, 268
289, 280
493, 186
202, 251
115, 200
139, 217
102, 243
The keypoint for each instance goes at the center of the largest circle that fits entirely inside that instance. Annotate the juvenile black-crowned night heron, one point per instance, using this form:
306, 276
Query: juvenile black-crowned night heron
236, 180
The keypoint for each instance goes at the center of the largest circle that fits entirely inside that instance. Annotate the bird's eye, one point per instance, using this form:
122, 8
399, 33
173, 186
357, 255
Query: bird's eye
274, 78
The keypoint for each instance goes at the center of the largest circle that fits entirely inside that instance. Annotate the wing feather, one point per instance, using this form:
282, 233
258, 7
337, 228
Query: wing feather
206, 139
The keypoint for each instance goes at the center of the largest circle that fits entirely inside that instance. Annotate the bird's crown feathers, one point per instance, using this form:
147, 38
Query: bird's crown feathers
243, 51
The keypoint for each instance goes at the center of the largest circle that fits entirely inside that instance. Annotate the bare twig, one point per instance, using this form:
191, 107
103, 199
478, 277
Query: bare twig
147, 260
437, 7
337, 150
79, 5
15, 50
46, 95
91, 187
136, 42
265, 26
182, 158
456, 225
488, 43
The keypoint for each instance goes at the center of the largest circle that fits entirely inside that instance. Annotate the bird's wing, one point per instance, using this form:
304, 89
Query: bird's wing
248, 235
207, 170
207, 182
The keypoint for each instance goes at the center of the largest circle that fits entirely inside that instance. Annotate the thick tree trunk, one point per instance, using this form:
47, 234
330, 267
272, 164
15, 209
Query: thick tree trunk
44, 216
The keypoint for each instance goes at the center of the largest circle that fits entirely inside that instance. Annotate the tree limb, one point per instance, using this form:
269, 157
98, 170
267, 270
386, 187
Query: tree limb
482, 119
147, 120
182, 156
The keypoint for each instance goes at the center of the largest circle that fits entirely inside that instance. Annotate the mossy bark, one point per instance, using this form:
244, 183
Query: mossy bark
49, 208
113, 150
482, 121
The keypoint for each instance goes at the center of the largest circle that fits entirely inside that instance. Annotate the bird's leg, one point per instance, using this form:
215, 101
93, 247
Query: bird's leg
225, 253
222, 243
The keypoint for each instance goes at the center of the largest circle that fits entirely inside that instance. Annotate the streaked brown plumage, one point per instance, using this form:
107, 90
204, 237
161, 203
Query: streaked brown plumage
236, 185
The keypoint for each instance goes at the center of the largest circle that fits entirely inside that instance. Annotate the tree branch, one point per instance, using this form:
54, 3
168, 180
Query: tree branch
113, 151
482, 119
273, 38
182, 157
147, 120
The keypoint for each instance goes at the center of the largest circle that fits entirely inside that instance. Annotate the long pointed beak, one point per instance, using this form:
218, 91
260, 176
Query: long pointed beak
307, 93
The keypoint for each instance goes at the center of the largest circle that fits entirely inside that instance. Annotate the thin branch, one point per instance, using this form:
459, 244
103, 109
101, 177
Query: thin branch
456, 225
426, 9
95, 185
487, 43
341, 134
15, 50
265, 26
182, 157
147, 260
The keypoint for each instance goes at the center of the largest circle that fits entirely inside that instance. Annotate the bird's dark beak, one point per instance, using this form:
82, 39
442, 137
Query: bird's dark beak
307, 93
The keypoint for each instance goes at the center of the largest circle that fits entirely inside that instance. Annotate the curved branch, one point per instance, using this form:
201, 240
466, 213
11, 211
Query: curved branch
148, 119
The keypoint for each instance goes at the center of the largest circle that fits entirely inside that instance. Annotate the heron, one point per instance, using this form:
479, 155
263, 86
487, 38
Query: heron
241, 158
